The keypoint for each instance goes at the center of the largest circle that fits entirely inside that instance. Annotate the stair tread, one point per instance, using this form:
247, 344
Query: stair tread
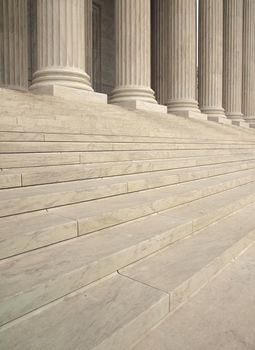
61, 173
150, 196
98, 316
92, 183
59, 269
221, 316
29, 231
119, 147
72, 159
6, 136
77, 203
90, 318
170, 267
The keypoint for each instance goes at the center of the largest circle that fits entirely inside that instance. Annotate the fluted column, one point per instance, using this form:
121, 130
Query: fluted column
232, 63
88, 37
159, 62
210, 58
133, 52
182, 56
13, 44
248, 97
61, 50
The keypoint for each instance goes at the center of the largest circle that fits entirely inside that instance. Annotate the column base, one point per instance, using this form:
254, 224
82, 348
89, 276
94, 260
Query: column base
250, 119
235, 116
219, 119
69, 93
141, 105
190, 114
177, 106
241, 123
217, 115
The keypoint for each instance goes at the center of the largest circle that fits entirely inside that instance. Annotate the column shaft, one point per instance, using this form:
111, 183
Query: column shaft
13, 44
182, 56
88, 37
133, 52
248, 96
232, 63
210, 58
160, 49
61, 51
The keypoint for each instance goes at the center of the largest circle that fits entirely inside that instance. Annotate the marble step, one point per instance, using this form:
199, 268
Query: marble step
38, 159
123, 148
25, 232
54, 271
101, 213
119, 126
180, 270
124, 197
31, 175
180, 143
108, 315
17, 160
161, 178
119, 310
221, 316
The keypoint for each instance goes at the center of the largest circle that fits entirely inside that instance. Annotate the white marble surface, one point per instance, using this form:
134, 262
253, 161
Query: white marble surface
109, 315
30, 231
184, 267
221, 316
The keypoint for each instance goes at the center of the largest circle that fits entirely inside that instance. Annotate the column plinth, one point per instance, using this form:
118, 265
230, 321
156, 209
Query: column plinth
182, 57
13, 44
133, 51
211, 59
248, 96
232, 62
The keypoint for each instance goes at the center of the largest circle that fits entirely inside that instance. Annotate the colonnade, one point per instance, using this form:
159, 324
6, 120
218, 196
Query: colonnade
195, 66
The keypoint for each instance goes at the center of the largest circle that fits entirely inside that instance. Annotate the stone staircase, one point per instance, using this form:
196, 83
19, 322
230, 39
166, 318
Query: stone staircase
112, 219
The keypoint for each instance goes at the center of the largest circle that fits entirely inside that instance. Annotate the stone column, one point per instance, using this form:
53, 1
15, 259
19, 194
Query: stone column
62, 31
232, 62
210, 58
248, 96
159, 12
88, 37
13, 44
182, 57
133, 52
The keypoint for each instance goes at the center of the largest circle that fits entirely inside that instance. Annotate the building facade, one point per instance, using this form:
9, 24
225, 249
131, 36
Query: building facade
191, 56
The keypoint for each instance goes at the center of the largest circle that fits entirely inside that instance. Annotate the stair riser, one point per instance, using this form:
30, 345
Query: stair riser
121, 141
135, 330
35, 239
39, 159
189, 149
10, 181
50, 200
64, 158
53, 234
66, 283
152, 306
119, 216
181, 294
42, 176
18, 305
